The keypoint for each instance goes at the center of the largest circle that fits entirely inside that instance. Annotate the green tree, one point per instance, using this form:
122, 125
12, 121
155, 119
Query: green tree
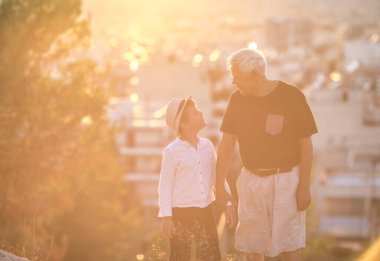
61, 188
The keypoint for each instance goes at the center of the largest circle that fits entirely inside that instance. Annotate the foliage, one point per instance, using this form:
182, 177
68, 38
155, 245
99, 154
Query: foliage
62, 192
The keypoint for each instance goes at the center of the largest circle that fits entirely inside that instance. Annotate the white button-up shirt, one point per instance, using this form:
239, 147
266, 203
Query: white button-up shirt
187, 177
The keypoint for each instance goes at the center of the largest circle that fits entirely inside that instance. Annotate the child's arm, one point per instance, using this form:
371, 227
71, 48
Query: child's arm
165, 188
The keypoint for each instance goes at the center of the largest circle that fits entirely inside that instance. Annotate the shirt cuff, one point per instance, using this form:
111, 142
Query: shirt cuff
165, 213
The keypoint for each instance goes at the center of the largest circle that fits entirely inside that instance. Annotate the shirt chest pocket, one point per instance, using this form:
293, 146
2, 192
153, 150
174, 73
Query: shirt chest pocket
274, 124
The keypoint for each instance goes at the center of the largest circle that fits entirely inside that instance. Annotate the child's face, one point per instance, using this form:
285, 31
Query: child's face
194, 119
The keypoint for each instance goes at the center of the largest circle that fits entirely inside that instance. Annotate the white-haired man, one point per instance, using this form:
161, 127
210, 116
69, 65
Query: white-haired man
273, 124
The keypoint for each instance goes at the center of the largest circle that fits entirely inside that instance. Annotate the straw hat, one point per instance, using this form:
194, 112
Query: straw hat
174, 111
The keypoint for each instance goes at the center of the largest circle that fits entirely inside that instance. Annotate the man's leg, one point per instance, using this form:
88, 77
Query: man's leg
292, 256
254, 257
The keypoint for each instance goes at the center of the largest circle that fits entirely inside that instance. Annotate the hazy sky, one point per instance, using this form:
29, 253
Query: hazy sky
148, 15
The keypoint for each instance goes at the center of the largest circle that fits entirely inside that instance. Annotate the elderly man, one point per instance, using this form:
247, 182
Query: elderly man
273, 124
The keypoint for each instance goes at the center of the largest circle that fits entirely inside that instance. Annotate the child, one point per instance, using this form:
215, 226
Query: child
186, 187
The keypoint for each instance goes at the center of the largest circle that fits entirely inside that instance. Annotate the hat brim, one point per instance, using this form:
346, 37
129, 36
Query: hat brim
179, 115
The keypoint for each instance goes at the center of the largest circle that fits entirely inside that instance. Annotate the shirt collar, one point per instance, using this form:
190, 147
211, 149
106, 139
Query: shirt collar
186, 143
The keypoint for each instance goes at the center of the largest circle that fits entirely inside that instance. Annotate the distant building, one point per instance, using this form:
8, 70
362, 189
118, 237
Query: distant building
363, 51
347, 163
340, 113
349, 204
142, 136
142, 157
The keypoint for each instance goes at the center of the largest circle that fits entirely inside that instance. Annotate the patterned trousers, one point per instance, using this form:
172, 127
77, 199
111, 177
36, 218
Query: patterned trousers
194, 226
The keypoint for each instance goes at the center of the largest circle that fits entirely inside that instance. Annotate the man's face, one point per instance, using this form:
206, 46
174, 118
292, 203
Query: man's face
244, 81
193, 119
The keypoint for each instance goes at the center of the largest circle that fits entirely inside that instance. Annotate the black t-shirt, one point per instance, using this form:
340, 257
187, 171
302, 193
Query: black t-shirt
268, 128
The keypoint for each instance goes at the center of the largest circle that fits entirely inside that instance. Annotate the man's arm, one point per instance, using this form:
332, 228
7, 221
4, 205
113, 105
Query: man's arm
225, 152
303, 190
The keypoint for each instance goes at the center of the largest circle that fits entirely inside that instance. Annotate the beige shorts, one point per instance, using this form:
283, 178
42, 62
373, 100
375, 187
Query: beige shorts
269, 222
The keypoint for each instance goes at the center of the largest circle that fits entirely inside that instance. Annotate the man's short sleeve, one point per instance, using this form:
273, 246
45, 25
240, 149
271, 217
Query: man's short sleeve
230, 116
304, 123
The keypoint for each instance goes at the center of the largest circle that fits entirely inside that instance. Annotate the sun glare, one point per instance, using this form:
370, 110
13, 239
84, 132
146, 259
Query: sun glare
252, 45
134, 97
214, 56
134, 66
197, 59
86, 121
335, 76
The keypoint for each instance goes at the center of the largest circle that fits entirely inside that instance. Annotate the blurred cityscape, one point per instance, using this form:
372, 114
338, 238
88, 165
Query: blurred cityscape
154, 50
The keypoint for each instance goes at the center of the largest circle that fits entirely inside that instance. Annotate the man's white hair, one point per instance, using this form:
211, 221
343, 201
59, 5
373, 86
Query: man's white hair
247, 61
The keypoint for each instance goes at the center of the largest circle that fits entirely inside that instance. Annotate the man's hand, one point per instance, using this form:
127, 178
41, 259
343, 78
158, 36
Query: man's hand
168, 227
231, 218
303, 197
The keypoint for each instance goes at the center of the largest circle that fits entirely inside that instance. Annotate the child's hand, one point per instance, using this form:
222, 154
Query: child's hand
231, 218
168, 227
